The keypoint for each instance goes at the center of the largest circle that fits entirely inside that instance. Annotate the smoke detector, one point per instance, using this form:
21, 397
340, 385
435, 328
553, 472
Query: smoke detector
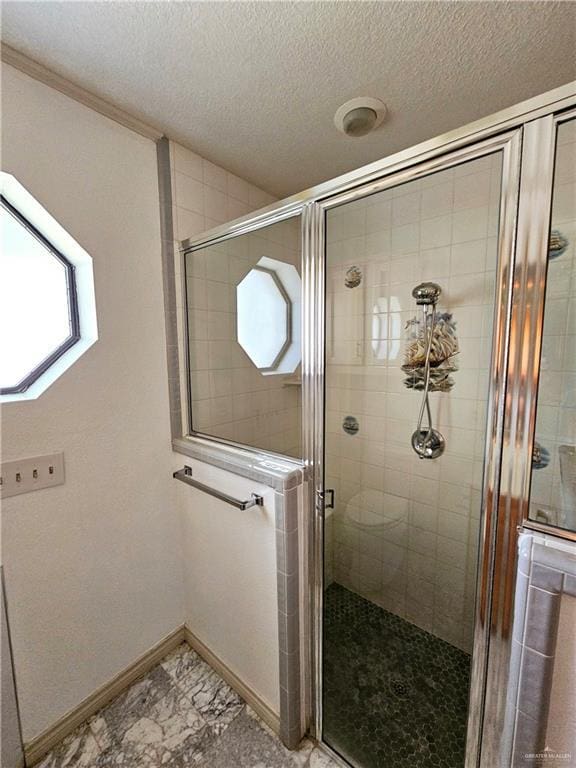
360, 116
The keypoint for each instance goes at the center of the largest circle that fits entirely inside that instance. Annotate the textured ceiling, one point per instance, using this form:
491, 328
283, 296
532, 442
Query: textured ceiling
253, 86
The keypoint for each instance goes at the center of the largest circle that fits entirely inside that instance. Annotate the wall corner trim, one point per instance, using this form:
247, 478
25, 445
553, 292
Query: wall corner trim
44, 75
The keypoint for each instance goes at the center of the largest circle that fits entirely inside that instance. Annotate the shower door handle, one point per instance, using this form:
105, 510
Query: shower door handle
325, 500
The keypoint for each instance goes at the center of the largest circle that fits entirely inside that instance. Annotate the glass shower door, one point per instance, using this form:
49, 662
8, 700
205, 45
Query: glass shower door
553, 486
411, 275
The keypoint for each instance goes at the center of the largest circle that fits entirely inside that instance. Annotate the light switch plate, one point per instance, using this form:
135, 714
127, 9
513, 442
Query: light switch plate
26, 475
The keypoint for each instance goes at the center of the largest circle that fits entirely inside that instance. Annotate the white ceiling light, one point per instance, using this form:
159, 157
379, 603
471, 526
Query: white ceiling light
360, 116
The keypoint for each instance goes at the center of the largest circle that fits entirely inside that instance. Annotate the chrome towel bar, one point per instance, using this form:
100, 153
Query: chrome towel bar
185, 475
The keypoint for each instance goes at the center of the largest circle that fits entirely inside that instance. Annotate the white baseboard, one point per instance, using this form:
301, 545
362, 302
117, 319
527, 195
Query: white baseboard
38, 747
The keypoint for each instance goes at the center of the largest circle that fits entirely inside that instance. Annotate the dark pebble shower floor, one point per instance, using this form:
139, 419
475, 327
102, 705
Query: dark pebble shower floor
394, 696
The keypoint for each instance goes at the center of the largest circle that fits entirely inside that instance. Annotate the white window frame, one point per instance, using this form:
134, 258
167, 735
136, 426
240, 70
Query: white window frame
78, 264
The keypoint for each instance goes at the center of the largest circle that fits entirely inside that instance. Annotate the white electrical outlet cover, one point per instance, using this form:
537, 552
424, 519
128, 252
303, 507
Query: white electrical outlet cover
27, 475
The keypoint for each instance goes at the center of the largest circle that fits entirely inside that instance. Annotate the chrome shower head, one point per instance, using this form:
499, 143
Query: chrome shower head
427, 293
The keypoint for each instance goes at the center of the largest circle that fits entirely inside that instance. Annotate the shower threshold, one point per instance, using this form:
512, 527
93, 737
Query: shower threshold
394, 695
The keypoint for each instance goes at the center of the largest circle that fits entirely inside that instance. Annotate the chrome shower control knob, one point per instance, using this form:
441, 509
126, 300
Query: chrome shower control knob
428, 444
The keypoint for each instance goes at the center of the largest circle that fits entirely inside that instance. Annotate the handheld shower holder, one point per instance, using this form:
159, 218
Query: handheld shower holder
427, 443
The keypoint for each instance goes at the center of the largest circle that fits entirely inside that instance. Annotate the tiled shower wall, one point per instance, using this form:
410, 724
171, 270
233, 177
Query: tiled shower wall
231, 398
405, 530
556, 417
205, 195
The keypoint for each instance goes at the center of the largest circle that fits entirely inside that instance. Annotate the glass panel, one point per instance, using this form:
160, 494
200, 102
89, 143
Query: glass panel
553, 487
243, 302
33, 299
401, 544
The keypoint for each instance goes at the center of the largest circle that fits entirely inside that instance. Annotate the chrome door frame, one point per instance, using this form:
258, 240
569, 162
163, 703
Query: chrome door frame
509, 144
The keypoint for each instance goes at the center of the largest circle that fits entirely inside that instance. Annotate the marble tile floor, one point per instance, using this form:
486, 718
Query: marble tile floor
180, 715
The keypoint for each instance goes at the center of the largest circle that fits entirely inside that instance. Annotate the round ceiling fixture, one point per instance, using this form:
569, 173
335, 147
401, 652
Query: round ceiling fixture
360, 116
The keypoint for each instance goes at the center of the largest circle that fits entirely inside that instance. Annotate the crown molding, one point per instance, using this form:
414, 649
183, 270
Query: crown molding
44, 75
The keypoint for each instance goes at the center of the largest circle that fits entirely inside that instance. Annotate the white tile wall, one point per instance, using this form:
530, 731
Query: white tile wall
205, 195
556, 416
405, 530
231, 399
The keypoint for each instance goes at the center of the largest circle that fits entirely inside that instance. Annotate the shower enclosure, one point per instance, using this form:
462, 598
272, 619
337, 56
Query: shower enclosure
423, 286
417, 547
409, 355
411, 364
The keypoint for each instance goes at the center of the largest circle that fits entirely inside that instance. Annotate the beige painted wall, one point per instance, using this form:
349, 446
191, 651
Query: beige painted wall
96, 567
93, 568
230, 577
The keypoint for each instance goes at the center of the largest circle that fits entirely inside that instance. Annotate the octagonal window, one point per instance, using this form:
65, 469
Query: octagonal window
263, 318
47, 309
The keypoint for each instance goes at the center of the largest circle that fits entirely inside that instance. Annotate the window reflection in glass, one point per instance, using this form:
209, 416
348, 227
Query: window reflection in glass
243, 310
